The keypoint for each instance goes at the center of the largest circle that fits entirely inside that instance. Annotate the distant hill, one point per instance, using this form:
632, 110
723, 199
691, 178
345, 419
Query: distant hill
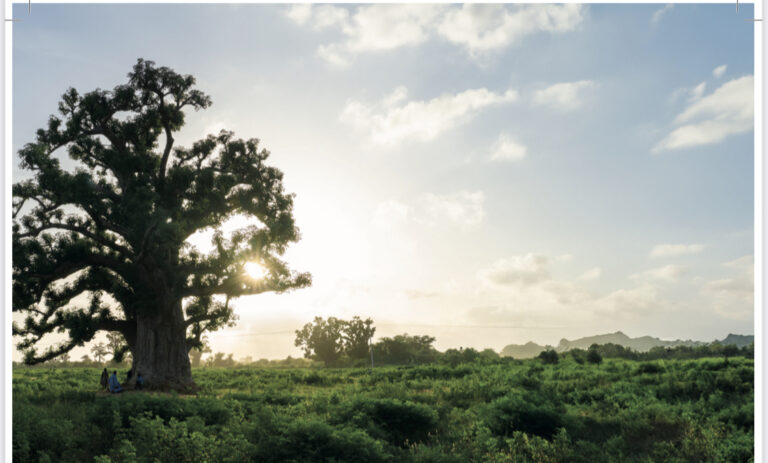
641, 344
738, 340
523, 351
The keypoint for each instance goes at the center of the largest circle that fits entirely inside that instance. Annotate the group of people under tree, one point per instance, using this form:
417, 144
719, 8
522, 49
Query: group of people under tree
112, 384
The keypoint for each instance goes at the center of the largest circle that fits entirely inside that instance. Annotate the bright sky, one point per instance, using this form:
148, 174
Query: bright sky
484, 174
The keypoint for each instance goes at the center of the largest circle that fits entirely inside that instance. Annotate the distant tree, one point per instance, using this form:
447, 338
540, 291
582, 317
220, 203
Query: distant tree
730, 350
196, 353
404, 349
578, 355
749, 351
99, 351
610, 350
219, 360
357, 334
322, 339
593, 356
64, 358
454, 357
117, 346
549, 356
489, 354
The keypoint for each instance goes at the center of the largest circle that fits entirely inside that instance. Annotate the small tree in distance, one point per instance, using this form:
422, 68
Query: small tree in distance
357, 335
322, 339
593, 356
332, 339
549, 357
117, 346
99, 351
196, 353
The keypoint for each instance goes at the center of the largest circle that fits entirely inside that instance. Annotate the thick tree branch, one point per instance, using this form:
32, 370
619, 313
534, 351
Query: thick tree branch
33, 232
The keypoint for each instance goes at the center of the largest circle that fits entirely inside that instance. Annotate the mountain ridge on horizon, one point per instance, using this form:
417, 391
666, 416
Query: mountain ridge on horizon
640, 344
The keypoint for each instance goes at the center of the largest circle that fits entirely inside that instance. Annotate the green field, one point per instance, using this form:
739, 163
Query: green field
502, 411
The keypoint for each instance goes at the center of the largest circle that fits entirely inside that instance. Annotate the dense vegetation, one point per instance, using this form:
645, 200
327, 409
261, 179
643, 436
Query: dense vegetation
496, 410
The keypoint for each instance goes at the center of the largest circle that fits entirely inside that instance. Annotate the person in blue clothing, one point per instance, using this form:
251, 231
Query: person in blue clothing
114, 384
139, 381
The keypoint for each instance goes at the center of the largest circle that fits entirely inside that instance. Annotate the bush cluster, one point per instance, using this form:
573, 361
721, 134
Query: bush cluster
502, 411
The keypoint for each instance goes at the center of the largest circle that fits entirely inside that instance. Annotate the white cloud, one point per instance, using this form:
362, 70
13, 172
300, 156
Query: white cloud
300, 13
696, 92
525, 270
332, 54
327, 16
475, 28
658, 14
591, 274
506, 149
668, 273
564, 96
729, 110
462, 208
526, 281
733, 296
631, 302
386, 27
719, 71
671, 250
394, 119
482, 28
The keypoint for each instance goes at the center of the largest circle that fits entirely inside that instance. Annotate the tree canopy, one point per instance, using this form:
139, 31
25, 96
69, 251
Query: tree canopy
102, 244
328, 340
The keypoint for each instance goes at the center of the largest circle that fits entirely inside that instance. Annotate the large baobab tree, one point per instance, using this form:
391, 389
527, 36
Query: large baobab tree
100, 240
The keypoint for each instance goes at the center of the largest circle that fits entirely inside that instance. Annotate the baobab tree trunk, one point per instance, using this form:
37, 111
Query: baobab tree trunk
160, 351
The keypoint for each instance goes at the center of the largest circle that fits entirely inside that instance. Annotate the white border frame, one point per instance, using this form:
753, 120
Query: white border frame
760, 172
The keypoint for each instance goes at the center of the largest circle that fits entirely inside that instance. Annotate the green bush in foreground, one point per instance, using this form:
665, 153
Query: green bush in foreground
485, 411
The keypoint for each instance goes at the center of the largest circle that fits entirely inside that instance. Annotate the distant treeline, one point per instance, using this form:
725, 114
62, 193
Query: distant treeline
348, 343
677, 352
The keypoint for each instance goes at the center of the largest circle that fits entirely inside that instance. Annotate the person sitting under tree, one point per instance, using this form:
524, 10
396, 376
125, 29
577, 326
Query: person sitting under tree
114, 384
104, 382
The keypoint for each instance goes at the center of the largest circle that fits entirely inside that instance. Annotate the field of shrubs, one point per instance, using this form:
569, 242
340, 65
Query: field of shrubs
503, 410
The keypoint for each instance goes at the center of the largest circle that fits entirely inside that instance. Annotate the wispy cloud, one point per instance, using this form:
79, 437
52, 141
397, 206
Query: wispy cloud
729, 110
631, 302
733, 296
524, 270
395, 119
483, 28
564, 96
477, 29
526, 280
697, 92
591, 274
506, 149
719, 71
668, 273
672, 250
658, 14
463, 208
